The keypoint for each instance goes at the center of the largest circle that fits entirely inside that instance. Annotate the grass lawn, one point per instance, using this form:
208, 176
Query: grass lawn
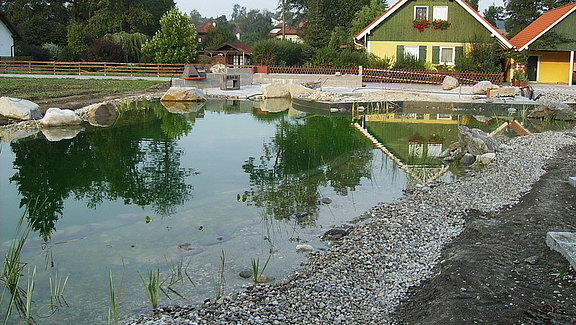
47, 88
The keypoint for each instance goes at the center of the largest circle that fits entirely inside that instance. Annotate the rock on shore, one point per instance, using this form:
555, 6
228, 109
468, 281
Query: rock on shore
363, 277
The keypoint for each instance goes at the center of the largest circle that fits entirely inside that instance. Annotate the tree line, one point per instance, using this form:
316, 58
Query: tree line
136, 30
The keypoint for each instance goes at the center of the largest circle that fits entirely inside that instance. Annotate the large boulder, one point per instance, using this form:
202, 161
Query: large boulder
19, 109
476, 141
278, 90
101, 114
184, 94
59, 117
450, 83
482, 87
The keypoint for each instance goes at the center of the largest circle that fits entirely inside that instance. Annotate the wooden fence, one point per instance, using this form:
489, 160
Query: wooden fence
92, 68
176, 70
396, 76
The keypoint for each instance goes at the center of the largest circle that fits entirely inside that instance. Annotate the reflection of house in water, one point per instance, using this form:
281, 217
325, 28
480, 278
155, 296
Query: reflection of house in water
414, 140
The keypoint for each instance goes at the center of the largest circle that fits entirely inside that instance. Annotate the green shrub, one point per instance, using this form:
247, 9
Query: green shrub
409, 62
280, 52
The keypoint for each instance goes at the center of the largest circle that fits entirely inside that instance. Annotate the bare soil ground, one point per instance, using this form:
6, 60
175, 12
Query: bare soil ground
499, 270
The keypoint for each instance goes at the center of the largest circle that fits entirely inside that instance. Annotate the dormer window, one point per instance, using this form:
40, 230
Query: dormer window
420, 12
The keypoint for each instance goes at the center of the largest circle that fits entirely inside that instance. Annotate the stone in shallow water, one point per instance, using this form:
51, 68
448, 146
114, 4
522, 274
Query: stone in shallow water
246, 274
304, 248
334, 234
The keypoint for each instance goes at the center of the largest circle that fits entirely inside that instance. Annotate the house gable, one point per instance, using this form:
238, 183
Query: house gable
565, 29
396, 24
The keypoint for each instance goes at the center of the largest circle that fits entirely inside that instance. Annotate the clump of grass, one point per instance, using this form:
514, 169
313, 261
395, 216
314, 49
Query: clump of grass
257, 272
13, 271
153, 286
114, 308
30, 284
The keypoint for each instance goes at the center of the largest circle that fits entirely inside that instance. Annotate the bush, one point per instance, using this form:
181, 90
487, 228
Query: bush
377, 62
105, 50
481, 56
53, 50
34, 51
280, 52
409, 62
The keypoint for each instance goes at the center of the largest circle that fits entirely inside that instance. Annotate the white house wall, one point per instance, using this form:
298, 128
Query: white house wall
6, 40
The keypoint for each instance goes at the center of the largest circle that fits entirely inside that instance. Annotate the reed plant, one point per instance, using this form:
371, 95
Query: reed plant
57, 289
114, 296
30, 285
257, 272
13, 271
153, 286
220, 280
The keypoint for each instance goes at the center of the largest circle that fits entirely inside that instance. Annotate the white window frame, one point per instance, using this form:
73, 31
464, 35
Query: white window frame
453, 55
436, 13
413, 50
418, 7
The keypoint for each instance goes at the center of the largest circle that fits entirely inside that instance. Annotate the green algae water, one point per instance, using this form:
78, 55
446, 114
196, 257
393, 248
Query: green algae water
196, 193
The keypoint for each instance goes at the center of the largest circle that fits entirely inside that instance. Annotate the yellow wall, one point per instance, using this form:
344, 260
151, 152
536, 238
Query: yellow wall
553, 67
388, 49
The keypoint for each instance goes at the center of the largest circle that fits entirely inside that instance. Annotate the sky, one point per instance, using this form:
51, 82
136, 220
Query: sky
217, 8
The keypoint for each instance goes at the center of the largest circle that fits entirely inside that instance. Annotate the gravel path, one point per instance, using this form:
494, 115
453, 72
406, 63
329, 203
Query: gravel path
365, 275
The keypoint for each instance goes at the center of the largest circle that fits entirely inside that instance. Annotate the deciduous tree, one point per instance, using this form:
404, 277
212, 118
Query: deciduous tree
175, 42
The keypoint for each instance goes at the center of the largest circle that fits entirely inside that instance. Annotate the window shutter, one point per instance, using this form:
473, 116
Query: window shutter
422, 53
399, 53
436, 54
459, 53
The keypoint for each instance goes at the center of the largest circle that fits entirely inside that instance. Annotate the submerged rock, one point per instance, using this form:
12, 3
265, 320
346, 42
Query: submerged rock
19, 109
298, 215
476, 141
335, 234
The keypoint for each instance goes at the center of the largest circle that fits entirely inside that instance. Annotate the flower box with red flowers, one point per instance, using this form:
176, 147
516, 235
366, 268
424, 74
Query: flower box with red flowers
421, 24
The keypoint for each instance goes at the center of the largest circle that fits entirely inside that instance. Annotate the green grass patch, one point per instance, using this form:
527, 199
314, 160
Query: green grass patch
46, 88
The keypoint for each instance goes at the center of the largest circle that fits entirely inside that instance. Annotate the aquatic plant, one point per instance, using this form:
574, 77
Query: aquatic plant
220, 280
13, 271
153, 286
114, 308
57, 288
178, 273
30, 285
257, 272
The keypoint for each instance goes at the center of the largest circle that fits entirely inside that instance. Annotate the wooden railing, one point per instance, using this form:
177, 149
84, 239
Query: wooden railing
176, 70
92, 68
429, 77
395, 76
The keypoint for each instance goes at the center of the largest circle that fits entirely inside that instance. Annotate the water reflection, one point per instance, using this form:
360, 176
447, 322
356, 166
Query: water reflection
303, 156
106, 164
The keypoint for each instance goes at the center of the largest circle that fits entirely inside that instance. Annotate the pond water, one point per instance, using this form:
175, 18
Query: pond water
185, 190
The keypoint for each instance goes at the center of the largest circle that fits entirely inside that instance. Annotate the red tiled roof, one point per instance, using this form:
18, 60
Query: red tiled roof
548, 20
289, 31
205, 28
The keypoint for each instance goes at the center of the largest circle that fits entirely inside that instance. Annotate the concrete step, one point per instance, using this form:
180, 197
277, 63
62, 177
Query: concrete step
564, 243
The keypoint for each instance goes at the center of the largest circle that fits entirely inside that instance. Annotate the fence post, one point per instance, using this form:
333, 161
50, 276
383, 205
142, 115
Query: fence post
105, 70
29, 67
54, 67
79, 69
360, 71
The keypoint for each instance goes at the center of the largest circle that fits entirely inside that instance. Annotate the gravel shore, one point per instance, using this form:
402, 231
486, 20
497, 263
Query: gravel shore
365, 275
